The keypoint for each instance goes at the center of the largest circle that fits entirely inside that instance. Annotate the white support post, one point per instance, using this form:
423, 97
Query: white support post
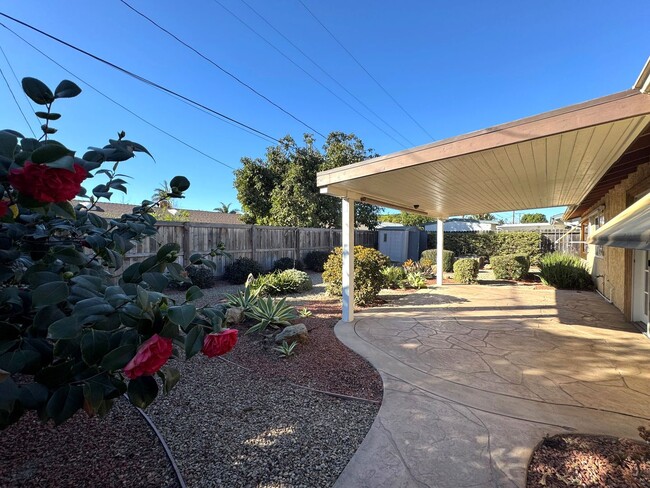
348, 259
439, 248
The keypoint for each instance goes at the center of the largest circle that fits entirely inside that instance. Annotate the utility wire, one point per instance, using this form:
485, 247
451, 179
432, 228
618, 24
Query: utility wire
13, 72
216, 65
17, 104
117, 103
168, 91
315, 63
306, 72
365, 70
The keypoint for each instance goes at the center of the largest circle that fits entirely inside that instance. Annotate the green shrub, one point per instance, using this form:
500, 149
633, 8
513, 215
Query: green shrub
510, 266
368, 278
565, 271
237, 272
447, 258
201, 276
416, 279
489, 244
287, 263
466, 270
393, 276
281, 282
315, 260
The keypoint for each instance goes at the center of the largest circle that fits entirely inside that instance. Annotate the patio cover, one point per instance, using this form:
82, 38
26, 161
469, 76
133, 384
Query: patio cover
629, 229
552, 159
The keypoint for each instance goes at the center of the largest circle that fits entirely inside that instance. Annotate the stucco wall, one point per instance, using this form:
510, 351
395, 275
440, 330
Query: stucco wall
609, 271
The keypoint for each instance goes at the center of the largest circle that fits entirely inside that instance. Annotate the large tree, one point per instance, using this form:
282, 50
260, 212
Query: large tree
281, 188
407, 219
533, 218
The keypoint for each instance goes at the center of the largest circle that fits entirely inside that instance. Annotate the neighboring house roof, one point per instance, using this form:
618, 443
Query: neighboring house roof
465, 225
531, 226
114, 210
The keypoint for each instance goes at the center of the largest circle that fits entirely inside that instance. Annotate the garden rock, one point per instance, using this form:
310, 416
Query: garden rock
235, 315
291, 333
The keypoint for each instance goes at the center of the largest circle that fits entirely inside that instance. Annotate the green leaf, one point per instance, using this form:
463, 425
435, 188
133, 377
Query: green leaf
179, 183
50, 294
65, 162
49, 152
156, 281
194, 341
32, 395
64, 403
37, 91
67, 89
67, 328
70, 256
46, 116
65, 210
16, 361
8, 143
92, 306
170, 377
4, 375
182, 315
94, 345
118, 358
94, 394
165, 249
142, 391
193, 293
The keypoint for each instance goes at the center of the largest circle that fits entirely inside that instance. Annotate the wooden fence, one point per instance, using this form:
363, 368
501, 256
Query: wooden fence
264, 244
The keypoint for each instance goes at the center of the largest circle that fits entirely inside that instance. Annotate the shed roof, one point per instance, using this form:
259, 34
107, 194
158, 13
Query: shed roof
552, 159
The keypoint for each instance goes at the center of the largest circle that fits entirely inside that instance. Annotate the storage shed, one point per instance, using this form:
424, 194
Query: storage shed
401, 243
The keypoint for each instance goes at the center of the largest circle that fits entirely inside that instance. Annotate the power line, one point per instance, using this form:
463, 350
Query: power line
365, 70
17, 104
13, 72
117, 103
168, 91
315, 63
306, 72
216, 65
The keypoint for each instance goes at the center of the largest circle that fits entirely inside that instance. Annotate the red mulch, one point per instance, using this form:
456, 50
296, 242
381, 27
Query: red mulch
323, 362
570, 460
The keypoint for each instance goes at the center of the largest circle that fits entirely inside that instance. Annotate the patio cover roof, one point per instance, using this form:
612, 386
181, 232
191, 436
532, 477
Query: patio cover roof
552, 159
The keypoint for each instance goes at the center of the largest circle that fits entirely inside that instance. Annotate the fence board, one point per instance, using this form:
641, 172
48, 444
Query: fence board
265, 244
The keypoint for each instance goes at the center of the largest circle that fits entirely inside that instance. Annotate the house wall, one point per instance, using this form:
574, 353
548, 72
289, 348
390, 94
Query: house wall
612, 272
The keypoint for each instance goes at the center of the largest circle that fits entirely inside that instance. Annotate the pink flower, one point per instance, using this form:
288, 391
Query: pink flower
151, 356
4, 208
219, 343
47, 184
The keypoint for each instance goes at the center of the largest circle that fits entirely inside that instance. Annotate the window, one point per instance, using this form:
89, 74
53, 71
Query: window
596, 221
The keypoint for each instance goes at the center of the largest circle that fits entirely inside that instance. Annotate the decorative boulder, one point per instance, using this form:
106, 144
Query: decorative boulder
292, 333
235, 315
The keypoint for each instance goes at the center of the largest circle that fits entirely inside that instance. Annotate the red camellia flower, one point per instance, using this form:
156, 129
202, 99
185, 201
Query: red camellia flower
4, 208
47, 184
219, 343
151, 356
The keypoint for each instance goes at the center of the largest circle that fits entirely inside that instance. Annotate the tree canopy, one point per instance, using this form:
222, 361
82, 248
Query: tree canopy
533, 218
407, 219
281, 188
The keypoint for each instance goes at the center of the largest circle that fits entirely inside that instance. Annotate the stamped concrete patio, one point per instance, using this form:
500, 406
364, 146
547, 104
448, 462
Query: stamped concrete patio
475, 376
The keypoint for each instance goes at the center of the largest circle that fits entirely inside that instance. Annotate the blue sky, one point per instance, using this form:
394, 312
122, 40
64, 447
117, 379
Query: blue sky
454, 66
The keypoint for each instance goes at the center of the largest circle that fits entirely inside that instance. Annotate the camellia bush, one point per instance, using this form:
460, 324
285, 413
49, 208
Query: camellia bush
75, 334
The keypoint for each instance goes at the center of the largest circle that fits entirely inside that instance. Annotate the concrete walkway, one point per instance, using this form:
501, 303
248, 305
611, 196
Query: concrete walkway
475, 376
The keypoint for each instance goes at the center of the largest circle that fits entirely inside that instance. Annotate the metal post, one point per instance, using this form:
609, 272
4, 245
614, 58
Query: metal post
439, 247
347, 239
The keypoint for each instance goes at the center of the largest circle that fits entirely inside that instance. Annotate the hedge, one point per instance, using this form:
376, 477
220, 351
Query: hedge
490, 244
466, 270
510, 266
368, 277
565, 271
447, 258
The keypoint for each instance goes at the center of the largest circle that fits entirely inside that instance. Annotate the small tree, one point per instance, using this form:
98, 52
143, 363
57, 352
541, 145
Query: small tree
533, 218
75, 333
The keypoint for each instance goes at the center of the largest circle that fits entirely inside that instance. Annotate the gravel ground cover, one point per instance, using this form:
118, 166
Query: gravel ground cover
229, 427
588, 461
119, 450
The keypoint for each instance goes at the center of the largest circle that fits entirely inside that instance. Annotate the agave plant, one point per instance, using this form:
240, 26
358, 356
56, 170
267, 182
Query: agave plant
285, 349
270, 313
416, 280
245, 299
